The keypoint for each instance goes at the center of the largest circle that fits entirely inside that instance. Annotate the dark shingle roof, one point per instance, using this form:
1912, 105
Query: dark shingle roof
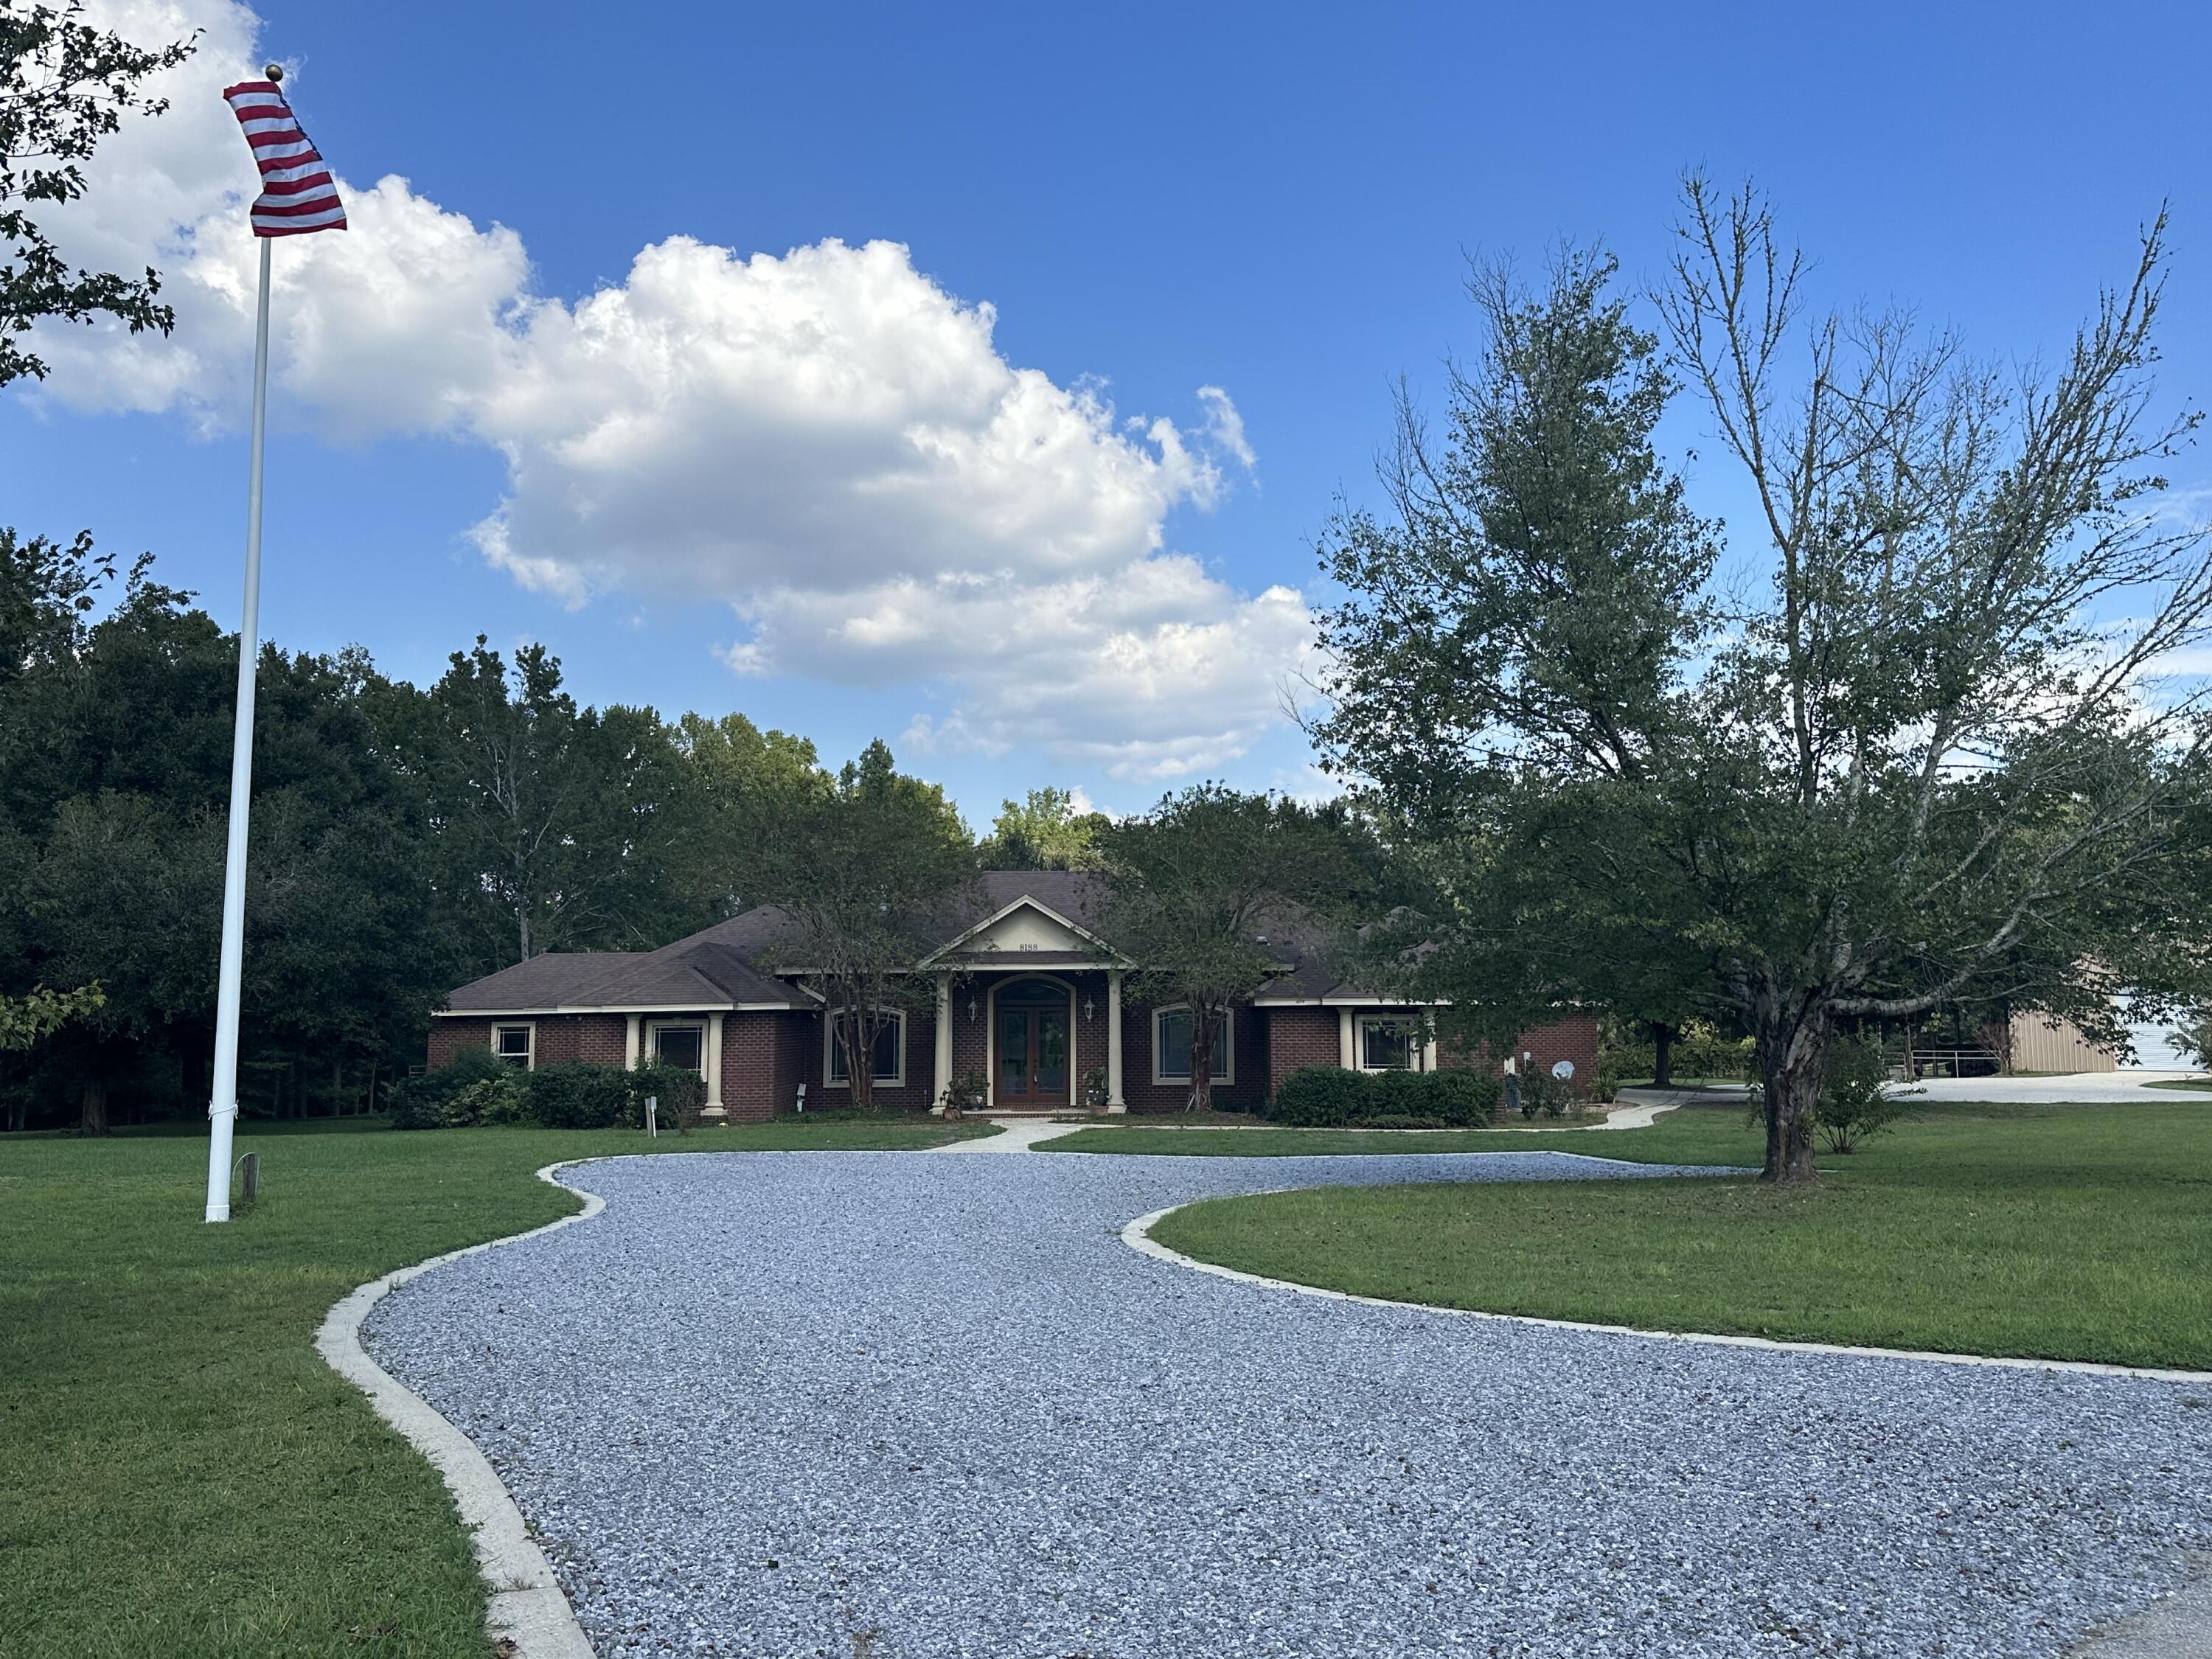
729, 963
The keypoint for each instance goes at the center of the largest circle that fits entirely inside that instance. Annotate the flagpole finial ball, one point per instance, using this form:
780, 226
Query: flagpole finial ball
274, 71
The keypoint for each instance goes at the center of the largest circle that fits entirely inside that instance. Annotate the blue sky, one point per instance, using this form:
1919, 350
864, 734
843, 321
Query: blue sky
1272, 201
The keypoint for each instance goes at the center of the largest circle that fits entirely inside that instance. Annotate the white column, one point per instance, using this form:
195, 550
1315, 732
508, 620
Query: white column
941, 1072
1114, 1100
632, 1042
714, 1109
1346, 1056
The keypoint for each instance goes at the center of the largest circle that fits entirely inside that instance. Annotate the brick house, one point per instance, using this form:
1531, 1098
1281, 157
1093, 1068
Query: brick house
1027, 992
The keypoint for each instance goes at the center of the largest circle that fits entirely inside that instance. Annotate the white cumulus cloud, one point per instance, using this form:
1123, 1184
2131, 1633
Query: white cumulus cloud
825, 441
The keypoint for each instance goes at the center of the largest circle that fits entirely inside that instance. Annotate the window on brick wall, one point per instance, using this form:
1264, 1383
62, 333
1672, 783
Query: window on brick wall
515, 1044
1389, 1043
890, 1055
1171, 1035
684, 1045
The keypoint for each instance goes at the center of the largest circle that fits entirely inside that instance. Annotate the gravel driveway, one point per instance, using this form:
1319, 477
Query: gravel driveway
893, 1405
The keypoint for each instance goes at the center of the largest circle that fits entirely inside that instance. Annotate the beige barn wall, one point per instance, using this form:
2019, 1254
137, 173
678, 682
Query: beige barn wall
2038, 1046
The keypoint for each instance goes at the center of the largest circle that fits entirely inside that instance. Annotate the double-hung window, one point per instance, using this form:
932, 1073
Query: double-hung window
679, 1043
515, 1044
1172, 1029
888, 1052
1390, 1043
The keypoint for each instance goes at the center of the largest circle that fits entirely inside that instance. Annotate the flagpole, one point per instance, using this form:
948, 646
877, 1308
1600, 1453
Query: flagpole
222, 1109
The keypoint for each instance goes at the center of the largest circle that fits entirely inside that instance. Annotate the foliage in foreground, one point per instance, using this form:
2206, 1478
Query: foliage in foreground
64, 85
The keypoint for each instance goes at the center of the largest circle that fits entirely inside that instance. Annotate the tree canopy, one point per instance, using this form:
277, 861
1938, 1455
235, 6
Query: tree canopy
1195, 886
1043, 831
1914, 747
64, 85
404, 839
865, 871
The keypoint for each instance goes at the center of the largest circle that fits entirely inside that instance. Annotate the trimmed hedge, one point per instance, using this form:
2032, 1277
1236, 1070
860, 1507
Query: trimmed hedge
1331, 1097
477, 1089
576, 1095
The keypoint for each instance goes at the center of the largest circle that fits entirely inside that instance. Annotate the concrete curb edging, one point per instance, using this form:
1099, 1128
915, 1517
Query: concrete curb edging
526, 1605
1137, 1237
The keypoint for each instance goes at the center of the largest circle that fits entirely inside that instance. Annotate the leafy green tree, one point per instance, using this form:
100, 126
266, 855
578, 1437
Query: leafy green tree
1194, 886
865, 873
554, 823
64, 85
1923, 761
1043, 831
740, 781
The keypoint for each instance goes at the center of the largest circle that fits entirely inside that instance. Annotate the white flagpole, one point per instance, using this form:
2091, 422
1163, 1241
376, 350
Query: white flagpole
223, 1109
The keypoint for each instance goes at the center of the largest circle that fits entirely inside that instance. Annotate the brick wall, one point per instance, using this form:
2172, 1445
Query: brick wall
1298, 1037
917, 1093
1574, 1038
449, 1036
601, 1039
751, 1047
1249, 1034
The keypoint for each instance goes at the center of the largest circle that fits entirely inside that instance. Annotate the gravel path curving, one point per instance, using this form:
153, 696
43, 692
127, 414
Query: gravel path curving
891, 1405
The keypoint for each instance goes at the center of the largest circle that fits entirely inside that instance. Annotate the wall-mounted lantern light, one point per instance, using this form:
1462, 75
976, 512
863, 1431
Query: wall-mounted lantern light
1090, 1008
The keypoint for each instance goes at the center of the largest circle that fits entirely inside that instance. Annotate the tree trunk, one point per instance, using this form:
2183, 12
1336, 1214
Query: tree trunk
1662, 1054
1202, 1061
856, 1031
1791, 1040
91, 1108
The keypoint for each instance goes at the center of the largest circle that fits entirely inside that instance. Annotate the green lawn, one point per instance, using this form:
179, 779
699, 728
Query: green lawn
1699, 1135
2059, 1232
2193, 1085
182, 1477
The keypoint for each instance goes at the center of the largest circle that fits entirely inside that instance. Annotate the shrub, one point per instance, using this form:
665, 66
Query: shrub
575, 1095
1331, 1097
1543, 1095
680, 1091
1461, 1099
454, 1096
1854, 1104
1319, 1097
966, 1092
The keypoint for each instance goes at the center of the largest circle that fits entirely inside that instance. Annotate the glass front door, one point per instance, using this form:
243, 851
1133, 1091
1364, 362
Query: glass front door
1033, 1046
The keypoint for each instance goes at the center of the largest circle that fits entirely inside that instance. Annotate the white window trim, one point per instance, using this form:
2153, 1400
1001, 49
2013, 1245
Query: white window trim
896, 1080
530, 1052
1417, 1044
1223, 1079
648, 1048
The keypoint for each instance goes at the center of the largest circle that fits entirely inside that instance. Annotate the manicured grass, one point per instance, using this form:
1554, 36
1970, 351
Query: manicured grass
2058, 1232
1704, 1135
181, 1474
2194, 1085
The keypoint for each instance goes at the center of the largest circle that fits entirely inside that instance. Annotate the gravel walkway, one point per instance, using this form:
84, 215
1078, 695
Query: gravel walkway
886, 1406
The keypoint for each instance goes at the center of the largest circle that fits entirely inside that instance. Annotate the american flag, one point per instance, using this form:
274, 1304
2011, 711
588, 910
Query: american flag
297, 195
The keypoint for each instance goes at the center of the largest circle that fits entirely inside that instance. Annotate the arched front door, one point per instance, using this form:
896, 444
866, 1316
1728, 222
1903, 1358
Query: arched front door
1034, 1064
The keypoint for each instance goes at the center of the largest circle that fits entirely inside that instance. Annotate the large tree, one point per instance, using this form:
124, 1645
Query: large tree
740, 782
64, 85
1043, 831
1196, 886
867, 873
554, 823
1918, 756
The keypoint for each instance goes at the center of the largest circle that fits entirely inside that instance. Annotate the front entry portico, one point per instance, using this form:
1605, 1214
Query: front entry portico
1032, 1060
